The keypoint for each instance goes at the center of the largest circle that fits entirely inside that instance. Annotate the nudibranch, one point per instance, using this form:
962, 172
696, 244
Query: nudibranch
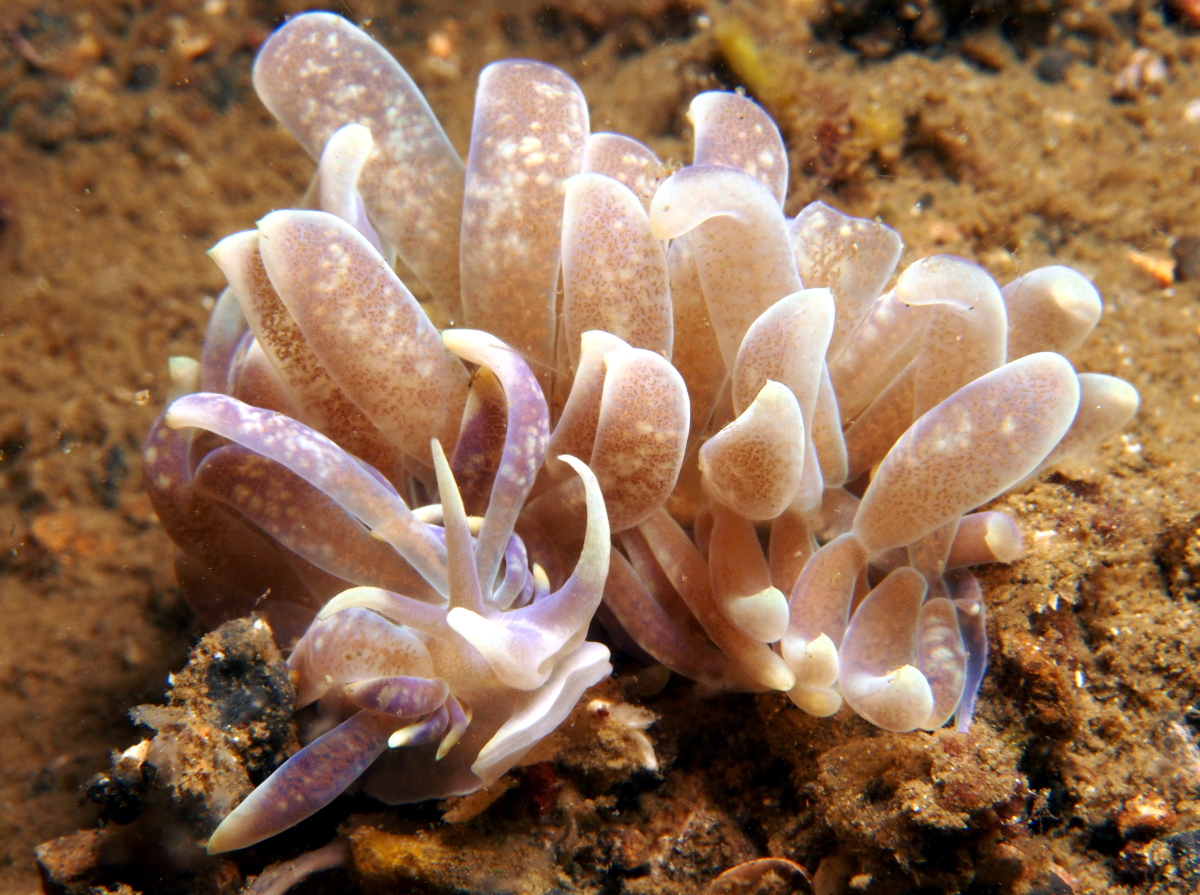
737, 439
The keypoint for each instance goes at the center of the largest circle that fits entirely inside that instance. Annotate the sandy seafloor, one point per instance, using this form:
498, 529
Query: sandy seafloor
130, 141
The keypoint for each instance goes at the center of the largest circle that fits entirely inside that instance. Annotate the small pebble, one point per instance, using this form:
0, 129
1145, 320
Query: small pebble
1145, 817
1052, 67
1144, 72
1186, 252
989, 50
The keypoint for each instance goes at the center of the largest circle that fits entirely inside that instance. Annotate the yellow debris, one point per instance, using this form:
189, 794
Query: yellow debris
1161, 270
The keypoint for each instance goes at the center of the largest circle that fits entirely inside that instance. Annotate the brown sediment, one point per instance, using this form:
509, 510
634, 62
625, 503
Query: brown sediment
131, 142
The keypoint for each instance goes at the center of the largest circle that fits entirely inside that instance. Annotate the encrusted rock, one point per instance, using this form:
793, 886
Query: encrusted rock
388, 859
70, 862
1179, 556
1173, 864
228, 720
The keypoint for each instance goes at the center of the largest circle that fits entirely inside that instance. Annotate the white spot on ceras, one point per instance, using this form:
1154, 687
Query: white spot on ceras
548, 90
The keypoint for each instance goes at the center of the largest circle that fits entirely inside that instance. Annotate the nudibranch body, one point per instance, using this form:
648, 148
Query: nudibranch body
672, 396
